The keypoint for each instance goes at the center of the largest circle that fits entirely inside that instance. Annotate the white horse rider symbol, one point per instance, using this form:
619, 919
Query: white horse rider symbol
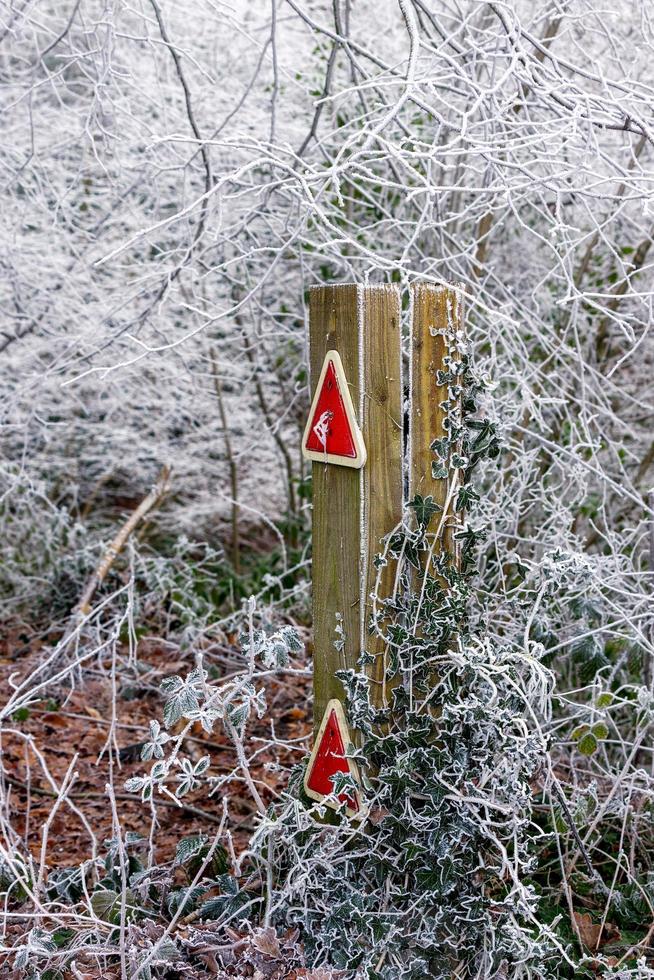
321, 428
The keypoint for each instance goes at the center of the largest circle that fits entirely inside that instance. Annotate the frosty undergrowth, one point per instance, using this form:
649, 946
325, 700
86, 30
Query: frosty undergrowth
434, 879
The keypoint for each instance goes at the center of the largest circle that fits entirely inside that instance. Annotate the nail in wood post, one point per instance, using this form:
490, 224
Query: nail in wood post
354, 508
437, 316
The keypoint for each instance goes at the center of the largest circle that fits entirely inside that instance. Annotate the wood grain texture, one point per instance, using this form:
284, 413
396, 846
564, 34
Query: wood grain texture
333, 324
436, 310
382, 475
353, 510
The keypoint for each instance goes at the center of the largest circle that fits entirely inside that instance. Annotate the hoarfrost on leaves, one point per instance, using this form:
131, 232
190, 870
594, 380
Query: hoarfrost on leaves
176, 176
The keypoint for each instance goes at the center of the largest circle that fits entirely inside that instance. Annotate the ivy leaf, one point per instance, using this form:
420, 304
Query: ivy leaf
425, 508
441, 447
466, 496
291, 639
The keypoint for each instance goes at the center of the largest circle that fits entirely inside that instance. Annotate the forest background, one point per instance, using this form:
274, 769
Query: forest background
176, 177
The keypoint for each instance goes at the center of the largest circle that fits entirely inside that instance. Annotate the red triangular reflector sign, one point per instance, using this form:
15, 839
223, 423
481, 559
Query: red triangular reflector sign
328, 758
331, 434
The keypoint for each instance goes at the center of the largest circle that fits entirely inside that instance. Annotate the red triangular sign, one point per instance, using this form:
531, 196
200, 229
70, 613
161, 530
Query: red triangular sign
331, 434
328, 758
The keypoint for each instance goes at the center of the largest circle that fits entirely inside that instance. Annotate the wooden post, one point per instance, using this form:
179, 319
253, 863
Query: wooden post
354, 508
437, 315
353, 436
382, 484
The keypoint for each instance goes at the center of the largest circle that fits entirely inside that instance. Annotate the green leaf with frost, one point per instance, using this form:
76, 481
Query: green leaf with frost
190, 847
587, 744
425, 508
106, 904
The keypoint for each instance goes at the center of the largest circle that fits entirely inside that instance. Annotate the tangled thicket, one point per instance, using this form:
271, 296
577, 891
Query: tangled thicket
176, 175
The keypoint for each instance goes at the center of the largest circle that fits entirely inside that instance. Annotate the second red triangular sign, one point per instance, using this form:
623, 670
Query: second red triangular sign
329, 758
331, 434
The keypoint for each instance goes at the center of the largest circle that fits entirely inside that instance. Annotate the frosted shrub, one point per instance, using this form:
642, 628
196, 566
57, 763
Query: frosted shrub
433, 881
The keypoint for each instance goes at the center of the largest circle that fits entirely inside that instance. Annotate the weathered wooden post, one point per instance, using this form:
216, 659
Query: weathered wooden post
354, 436
437, 315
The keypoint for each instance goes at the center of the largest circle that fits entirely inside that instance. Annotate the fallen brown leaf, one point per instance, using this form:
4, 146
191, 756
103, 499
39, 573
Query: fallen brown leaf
55, 720
593, 934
